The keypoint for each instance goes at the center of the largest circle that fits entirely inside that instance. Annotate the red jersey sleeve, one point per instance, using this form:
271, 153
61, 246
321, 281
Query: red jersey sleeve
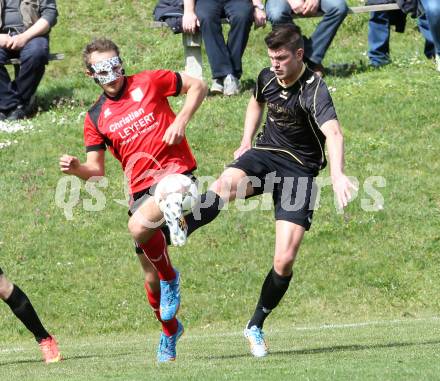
93, 140
164, 82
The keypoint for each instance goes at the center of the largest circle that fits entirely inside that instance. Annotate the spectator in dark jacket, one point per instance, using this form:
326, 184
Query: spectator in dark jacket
24, 31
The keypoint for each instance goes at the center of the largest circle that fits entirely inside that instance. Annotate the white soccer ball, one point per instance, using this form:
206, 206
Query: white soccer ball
181, 185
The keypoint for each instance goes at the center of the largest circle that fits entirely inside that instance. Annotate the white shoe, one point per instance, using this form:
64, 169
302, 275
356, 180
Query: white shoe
437, 61
231, 85
255, 337
171, 207
216, 86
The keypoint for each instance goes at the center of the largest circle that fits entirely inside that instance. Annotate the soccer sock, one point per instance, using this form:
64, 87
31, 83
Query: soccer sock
22, 307
273, 290
210, 206
169, 327
156, 251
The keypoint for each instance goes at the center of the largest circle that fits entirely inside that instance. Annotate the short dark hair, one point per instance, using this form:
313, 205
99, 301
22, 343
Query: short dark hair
98, 45
286, 36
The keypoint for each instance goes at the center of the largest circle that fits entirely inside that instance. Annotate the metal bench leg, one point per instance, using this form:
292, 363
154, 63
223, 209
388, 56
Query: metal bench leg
192, 47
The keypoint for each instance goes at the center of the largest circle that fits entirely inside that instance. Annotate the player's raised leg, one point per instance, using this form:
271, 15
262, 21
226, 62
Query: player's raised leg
231, 183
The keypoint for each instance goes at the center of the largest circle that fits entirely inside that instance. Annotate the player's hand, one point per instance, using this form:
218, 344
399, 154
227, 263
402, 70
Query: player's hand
174, 134
241, 150
297, 6
4, 40
68, 164
310, 7
190, 23
17, 42
343, 188
259, 18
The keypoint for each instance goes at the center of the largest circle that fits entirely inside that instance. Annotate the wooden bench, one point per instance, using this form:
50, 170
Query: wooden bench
16, 61
192, 43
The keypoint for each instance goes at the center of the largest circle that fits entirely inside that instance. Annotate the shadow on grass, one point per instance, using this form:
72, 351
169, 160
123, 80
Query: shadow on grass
337, 348
70, 358
346, 69
53, 97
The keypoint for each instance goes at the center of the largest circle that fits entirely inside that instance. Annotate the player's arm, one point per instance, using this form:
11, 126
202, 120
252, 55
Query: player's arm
254, 113
195, 90
94, 165
342, 186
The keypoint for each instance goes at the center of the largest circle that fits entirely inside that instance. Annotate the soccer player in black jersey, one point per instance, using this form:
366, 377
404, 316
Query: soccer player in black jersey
22, 307
285, 159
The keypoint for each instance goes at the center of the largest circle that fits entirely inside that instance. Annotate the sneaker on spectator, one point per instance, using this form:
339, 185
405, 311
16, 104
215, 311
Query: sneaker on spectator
255, 336
169, 297
216, 86
18, 113
231, 85
378, 65
166, 350
49, 350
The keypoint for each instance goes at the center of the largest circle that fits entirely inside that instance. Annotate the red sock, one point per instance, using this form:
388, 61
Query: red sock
156, 251
169, 328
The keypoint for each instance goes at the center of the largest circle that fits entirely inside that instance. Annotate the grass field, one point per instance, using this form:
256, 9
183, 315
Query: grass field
379, 350
362, 266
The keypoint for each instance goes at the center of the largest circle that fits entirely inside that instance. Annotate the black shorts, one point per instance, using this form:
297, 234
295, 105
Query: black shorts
138, 198
290, 183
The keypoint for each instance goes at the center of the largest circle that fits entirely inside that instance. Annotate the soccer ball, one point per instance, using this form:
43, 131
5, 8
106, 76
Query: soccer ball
181, 185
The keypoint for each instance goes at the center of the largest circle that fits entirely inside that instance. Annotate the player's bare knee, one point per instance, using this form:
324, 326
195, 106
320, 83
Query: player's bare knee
6, 287
222, 186
136, 229
283, 261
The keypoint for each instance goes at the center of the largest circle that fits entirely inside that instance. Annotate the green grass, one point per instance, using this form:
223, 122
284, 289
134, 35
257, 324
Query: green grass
386, 350
82, 274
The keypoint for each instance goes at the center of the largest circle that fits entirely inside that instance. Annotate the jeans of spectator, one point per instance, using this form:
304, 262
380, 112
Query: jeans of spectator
432, 13
225, 57
33, 57
379, 38
279, 12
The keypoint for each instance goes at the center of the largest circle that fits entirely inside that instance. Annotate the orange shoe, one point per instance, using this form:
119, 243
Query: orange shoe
50, 351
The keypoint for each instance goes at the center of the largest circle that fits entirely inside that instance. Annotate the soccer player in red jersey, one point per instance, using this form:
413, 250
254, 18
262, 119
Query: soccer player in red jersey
134, 120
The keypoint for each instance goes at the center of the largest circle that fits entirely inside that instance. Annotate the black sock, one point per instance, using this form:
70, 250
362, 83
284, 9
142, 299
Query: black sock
208, 209
21, 306
273, 290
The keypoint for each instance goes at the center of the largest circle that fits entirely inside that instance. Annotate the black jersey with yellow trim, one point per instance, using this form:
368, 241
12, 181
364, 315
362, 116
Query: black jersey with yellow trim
295, 114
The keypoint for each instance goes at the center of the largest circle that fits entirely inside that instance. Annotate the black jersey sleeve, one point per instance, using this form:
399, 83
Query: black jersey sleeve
320, 103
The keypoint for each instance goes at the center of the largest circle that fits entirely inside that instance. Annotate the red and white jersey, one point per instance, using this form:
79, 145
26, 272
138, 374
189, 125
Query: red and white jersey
133, 124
